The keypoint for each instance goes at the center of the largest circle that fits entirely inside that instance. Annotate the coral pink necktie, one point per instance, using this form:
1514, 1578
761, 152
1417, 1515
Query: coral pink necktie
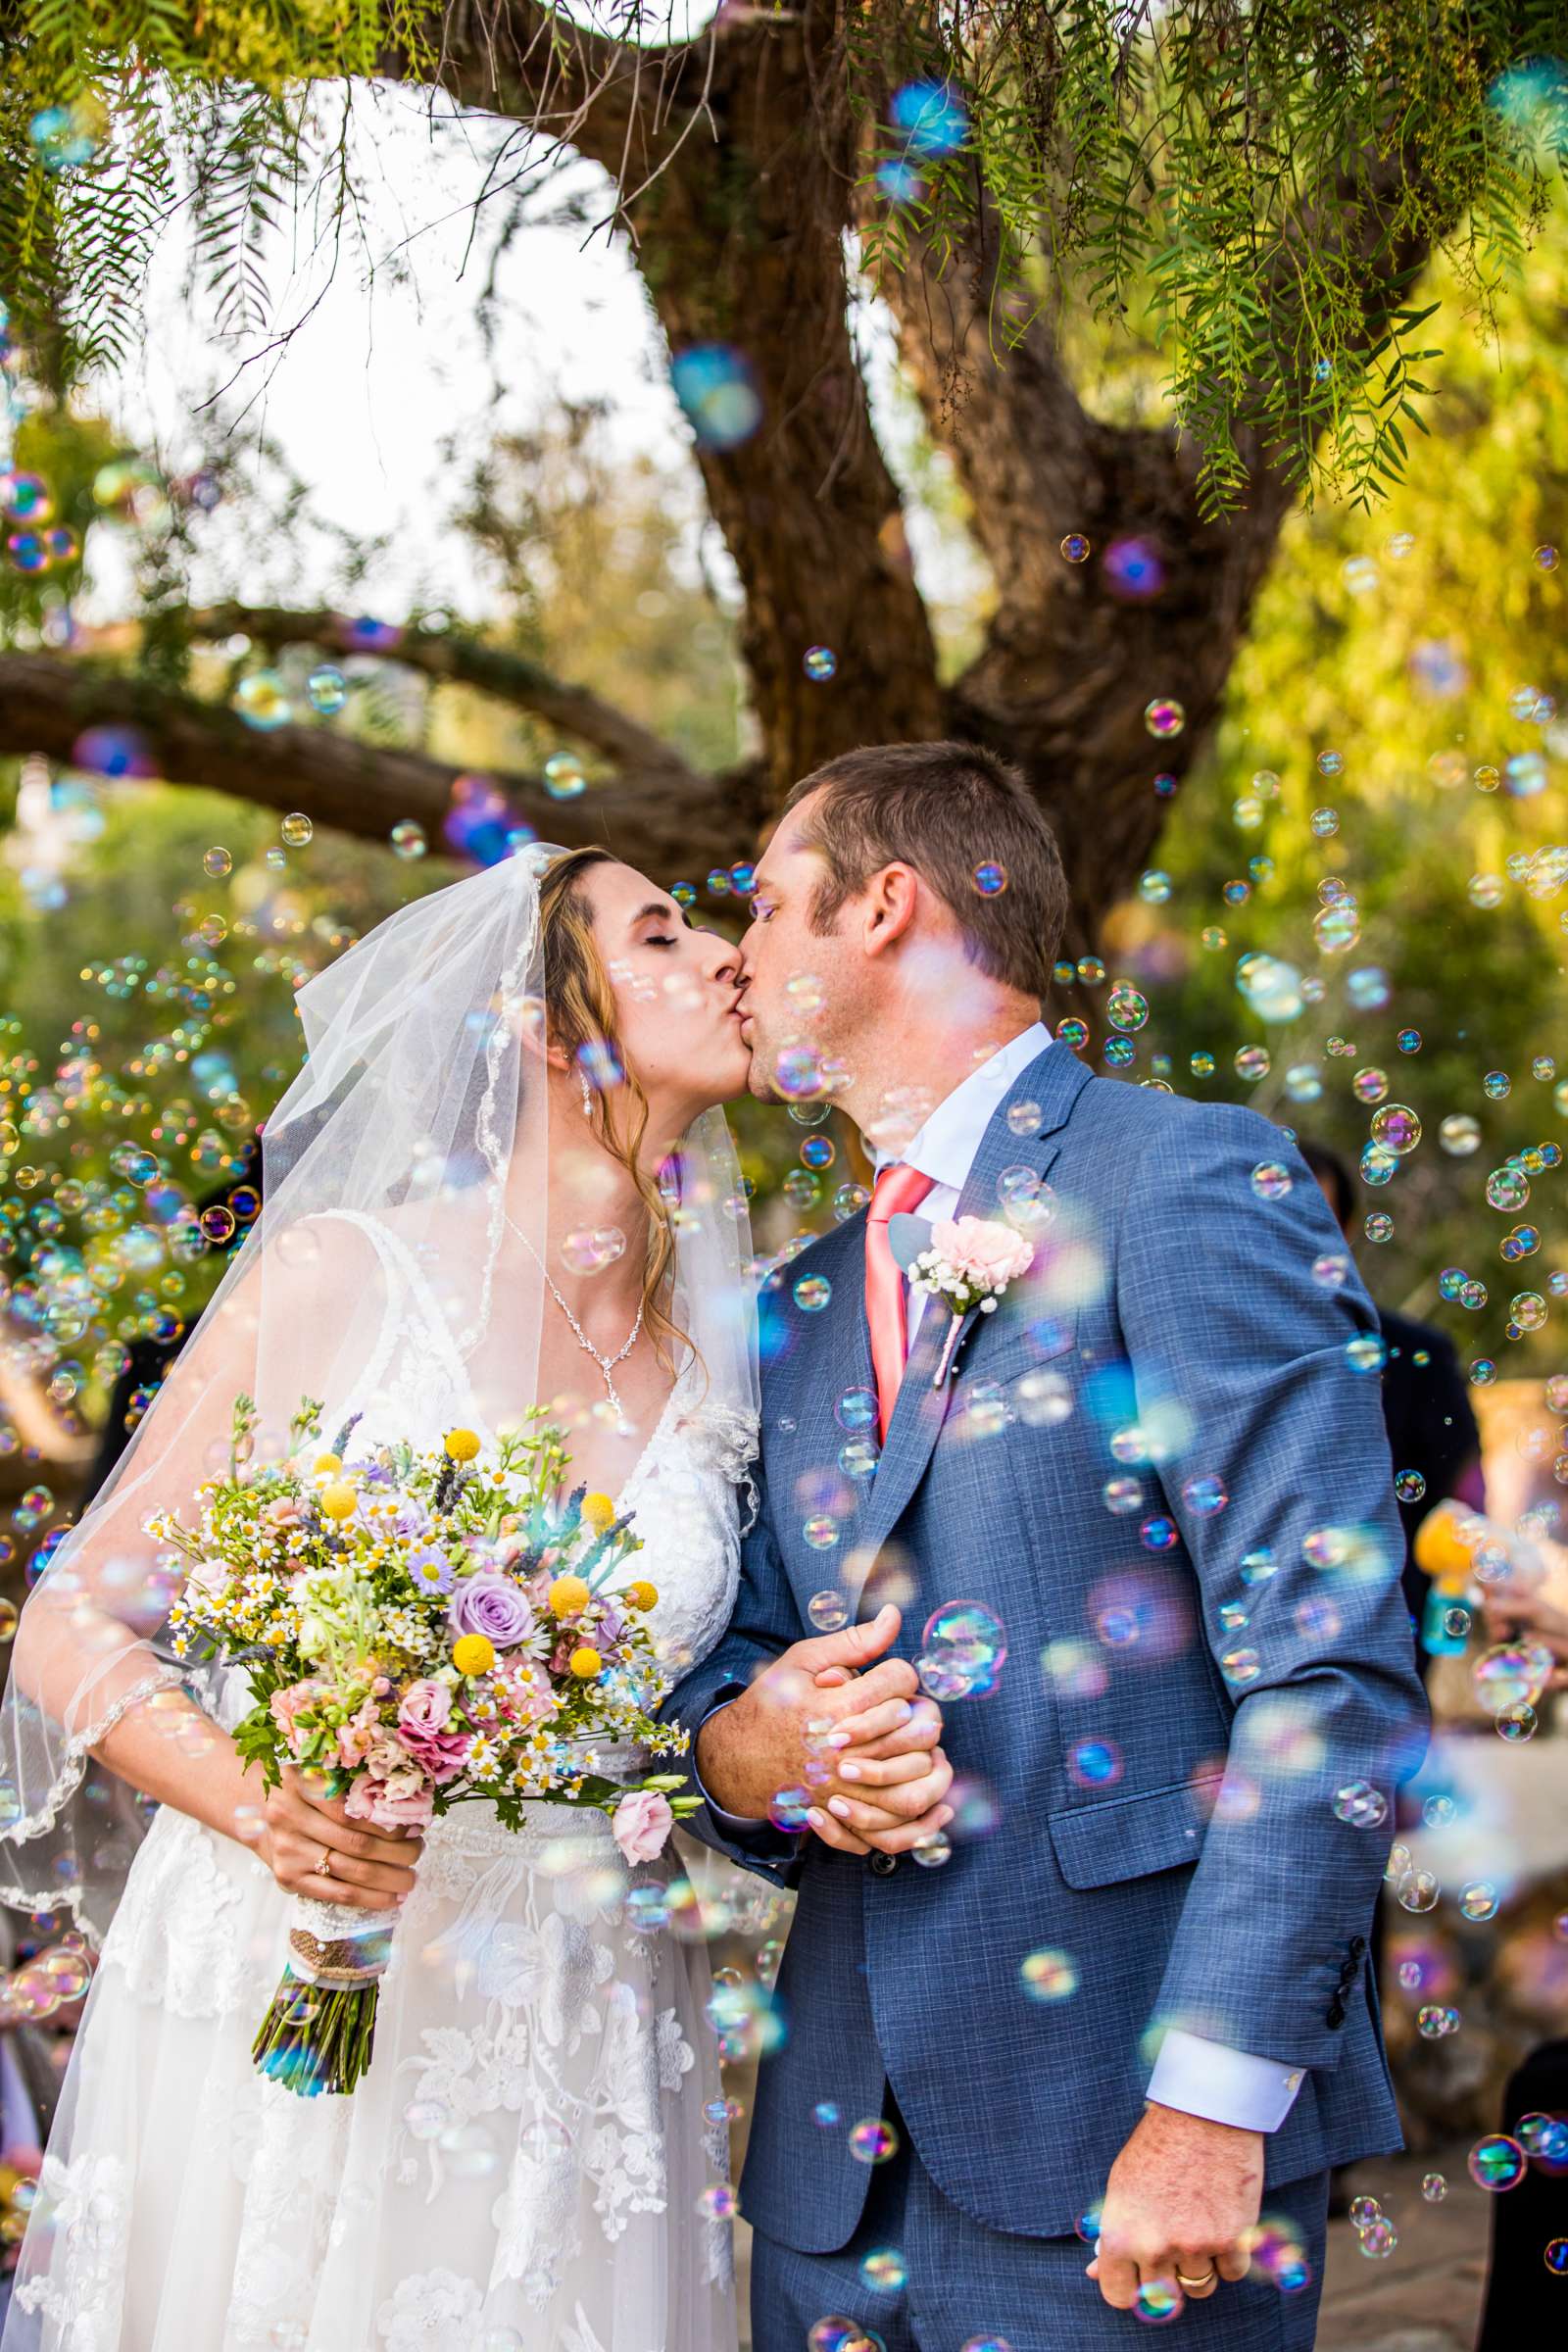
898, 1190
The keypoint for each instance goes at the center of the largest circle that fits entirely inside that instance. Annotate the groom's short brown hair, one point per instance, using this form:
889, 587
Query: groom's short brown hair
948, 809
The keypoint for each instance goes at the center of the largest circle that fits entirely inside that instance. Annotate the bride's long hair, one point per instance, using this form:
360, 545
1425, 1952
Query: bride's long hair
581, 1009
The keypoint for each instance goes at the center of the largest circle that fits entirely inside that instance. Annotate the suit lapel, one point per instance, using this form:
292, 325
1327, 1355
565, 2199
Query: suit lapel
1054, 1081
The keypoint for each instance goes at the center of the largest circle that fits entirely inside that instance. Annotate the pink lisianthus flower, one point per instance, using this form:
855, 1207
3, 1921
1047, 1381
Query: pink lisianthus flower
384, 1756
981, 1249
401, 1802
281, 1511
440, 1754
287, 1707
358, 1735
641, 1824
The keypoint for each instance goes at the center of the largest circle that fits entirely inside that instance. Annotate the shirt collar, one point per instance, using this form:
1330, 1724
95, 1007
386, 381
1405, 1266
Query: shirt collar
944, 1147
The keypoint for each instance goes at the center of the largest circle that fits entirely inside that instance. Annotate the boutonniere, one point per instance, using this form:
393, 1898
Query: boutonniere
966, 1262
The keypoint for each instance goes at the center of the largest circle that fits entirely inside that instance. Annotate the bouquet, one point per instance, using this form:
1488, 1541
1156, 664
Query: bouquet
420, 1630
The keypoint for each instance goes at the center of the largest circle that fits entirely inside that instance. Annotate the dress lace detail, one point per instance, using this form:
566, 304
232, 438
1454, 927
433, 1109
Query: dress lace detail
528, 2149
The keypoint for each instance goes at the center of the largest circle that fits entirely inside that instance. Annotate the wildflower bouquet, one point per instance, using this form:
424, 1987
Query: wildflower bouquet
419, 1630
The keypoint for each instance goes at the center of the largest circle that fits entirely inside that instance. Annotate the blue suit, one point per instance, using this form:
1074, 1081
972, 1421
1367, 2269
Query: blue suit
1160, 1467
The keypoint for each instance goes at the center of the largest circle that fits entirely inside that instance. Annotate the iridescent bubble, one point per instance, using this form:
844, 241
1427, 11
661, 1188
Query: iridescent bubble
1338, 928
1324, 822
1362, 1805
1397, 1128
1075, 548
1133, 569
408, 840
1271, 1180
590, 1248
1270, 986
873, 2141
1496, 1085
1418, 1890
1409, 1041
813, 1293
262, 701
1154, 887
1459, 1133
718, 390
1049, 1975
828, 1611
1126, 1007
1497, 2163
990, 879
1331, 764
962, 1652
1251, 1063
1164, 716
1378, 1226
819, 663
1511, 1674
1434, 2188
931, 115
1409, 1485
788, 1807
296, 829
327, 689
856, 1409
1478, 1899
883, 2270
565, 778
1160, 2302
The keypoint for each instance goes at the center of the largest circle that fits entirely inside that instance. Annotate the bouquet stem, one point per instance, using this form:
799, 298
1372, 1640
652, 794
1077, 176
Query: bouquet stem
319, 2033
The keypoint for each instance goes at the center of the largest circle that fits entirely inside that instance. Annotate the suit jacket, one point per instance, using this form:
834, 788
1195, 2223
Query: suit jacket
1160, 1467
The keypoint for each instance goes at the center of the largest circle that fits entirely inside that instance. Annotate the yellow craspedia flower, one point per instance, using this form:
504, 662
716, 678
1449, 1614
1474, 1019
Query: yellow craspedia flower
327, 1465
461, 1445
642, 1594
585, 1661
473, 1654
568, 1595
338, 1499
598, 1512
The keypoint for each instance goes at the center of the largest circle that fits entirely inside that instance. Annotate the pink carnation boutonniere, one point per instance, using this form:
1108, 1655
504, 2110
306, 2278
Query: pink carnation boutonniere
968, 1262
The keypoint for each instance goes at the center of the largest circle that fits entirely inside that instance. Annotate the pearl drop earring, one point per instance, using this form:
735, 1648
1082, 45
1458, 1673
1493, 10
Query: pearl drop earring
587, 1093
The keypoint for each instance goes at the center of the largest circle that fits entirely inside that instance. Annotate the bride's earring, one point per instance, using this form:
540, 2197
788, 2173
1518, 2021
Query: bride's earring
587, 1093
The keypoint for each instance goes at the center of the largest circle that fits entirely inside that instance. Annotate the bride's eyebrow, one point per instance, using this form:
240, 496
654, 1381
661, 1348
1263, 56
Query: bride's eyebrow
655, 911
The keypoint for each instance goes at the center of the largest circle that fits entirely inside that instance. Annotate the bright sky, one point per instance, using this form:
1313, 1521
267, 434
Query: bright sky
389, 369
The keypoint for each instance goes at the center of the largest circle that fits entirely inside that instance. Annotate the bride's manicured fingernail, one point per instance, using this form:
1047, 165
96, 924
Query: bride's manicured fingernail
837, 1740
816, 1816
849, 1772
839, 1805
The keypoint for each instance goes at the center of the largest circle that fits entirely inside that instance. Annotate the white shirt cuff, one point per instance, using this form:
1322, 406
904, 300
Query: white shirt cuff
739, 1824
1225, 2085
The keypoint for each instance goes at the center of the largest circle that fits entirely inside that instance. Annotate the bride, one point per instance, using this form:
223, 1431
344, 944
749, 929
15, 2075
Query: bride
499, 1178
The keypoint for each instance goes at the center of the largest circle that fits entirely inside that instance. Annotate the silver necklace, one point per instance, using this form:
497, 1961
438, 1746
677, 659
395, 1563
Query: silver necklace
607, 1364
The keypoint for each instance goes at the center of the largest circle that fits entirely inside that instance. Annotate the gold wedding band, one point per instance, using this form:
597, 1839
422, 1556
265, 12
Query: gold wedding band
324, 1870
1207, 2279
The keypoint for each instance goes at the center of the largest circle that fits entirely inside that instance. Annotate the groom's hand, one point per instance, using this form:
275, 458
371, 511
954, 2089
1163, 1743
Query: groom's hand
1181, 2204
816, 1702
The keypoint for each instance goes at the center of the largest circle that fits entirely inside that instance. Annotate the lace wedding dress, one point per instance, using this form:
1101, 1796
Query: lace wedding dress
525, 2163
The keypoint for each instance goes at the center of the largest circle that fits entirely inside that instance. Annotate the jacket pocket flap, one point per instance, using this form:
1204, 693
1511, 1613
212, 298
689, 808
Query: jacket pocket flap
1132, 1836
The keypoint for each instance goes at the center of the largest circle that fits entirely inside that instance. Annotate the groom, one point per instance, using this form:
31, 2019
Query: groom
1111, 1988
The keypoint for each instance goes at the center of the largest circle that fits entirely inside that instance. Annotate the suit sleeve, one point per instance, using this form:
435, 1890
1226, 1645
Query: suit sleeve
765, 1622
1258, 1378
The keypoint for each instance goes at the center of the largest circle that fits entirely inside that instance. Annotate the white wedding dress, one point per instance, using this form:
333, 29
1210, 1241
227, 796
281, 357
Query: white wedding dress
528, 2162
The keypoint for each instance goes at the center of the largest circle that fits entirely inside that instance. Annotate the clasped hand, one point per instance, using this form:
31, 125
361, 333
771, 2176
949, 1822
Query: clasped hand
838, 1718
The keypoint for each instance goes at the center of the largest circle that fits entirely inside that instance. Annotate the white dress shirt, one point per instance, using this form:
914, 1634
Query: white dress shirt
1200, 2076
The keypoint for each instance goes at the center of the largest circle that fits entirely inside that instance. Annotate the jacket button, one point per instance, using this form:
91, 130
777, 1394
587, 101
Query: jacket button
1357, 1946
883, 1863
1335, 2014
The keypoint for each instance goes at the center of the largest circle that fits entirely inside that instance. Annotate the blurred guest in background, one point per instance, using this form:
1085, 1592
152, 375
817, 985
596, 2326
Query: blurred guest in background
1426, 1405
1527, 2282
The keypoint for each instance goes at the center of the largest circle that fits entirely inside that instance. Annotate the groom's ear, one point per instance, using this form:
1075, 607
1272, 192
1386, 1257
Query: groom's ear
889, 903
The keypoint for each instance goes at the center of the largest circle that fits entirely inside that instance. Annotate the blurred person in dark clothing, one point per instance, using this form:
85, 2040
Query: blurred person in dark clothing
1426, 1404
147, 1361
1527, 2281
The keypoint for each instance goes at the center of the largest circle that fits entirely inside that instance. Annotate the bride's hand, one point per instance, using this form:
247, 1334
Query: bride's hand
301, 1832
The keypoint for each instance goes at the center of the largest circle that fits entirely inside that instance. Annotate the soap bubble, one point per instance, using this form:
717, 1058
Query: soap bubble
819, 663
262, 701
828, 1611
565, 776
1497, 2163
1049, 1975
1075, 548
962, 1652
1164, 716
1397, 1128
326, 690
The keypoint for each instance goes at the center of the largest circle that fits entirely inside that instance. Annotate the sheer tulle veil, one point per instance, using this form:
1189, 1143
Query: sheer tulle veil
421, 1106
